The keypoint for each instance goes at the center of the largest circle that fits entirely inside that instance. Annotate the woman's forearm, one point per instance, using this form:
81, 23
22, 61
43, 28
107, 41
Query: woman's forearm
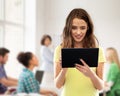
98, 83
60, 79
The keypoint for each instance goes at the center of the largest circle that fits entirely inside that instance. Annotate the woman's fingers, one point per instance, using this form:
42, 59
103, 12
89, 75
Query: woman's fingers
80, 67
84, 63
82, 70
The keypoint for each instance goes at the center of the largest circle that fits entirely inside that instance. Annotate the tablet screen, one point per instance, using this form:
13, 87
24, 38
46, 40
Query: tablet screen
71, 56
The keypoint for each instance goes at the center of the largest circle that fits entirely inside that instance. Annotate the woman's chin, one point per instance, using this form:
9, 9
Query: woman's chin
78, 40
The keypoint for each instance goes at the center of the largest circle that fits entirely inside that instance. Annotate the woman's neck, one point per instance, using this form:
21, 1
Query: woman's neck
78, 45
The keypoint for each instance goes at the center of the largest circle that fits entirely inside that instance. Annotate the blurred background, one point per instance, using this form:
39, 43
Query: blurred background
24, 22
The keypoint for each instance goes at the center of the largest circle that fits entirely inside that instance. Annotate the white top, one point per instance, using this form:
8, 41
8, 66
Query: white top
47, 59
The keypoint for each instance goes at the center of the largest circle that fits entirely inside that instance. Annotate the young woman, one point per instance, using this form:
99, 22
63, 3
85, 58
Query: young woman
27, 82
82, 80
114, 72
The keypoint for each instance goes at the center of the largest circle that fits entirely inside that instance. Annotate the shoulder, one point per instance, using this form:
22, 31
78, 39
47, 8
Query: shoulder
26, 75
43, 47
1, 67
101, 51
58, 48
100, 48
101, 55
114, 65
57, 53
114, 68
2, 72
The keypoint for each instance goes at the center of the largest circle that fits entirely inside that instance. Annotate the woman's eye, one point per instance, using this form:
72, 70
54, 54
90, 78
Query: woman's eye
83, 27
74, 27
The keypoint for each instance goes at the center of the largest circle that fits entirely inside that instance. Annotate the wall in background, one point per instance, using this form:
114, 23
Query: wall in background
40, 24
30, 26
105, 15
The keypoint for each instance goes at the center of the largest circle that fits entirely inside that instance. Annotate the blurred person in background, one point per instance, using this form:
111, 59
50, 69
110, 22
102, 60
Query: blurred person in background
27, 82
113, 75
47, 63
46, 54
5, 81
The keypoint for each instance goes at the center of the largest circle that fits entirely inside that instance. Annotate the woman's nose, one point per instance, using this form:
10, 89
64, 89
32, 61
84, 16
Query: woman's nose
78, 31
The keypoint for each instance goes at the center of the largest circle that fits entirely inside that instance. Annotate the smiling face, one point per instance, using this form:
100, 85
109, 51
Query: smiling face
79, 30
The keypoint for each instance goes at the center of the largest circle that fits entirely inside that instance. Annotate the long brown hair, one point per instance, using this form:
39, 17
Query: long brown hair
90, 40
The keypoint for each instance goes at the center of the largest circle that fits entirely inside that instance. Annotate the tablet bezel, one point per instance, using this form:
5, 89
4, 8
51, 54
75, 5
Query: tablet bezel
70, 55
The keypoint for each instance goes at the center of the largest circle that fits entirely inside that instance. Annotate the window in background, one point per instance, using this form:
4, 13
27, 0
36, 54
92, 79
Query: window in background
1, 9
14, 11
14, 24
14, 41
12, 32
1, 36
1, 21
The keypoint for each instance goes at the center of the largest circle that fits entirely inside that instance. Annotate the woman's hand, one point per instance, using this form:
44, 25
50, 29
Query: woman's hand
84, 69
97, 82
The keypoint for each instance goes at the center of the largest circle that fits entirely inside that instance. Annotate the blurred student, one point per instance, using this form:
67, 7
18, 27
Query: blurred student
46, 54
27, 82
5, 81
47, 63
113, 77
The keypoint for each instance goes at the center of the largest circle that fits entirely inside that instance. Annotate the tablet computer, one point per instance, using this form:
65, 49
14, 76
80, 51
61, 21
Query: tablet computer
39, 75
71, 56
